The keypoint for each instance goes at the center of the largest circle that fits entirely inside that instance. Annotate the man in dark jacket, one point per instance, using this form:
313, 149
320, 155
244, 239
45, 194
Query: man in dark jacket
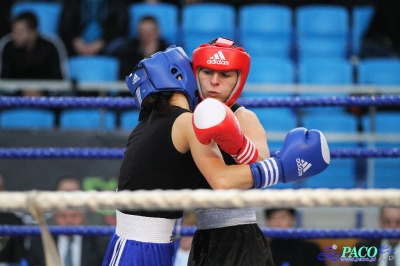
25, 54
290, 252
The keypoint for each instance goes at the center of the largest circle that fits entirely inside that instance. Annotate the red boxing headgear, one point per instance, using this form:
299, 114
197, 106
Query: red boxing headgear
223, 55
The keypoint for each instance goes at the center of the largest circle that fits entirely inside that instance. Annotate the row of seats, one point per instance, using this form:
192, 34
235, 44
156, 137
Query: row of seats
264, 70
263, 29
70, 119
383, 71
272, 118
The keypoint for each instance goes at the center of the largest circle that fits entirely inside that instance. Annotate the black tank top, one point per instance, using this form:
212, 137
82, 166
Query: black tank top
152, 162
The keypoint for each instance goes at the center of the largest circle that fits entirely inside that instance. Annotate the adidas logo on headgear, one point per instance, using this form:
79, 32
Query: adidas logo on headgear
302, 166
135, 79
218, 59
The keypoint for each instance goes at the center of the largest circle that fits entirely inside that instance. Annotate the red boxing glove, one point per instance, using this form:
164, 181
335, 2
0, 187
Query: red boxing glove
213, 120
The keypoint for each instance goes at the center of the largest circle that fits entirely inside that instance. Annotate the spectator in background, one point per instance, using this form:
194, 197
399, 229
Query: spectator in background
185, 242
290, 252
75, 250
382, 38
69, 183
12, 249
389, 218
148, 42
25, 54
88, 26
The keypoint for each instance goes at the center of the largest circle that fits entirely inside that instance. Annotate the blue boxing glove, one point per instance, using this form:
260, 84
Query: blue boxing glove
304, 153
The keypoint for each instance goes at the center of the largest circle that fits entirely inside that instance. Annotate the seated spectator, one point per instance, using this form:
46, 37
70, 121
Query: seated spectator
70, 183
74, 250
382, 38
293, 252
25, 54
389, 218
147, 43
88, 26
12, 250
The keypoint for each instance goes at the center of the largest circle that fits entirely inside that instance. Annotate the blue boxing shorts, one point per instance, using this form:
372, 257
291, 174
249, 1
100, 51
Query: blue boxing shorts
140, 240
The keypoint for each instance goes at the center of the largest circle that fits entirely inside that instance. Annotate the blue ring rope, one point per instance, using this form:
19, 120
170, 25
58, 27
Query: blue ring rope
128, 103
297, 233
118, 153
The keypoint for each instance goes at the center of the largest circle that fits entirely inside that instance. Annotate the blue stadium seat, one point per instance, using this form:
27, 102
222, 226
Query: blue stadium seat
322, 21
220, 22
165, 13
93, 68
270, 70
386, 122
264, 69
386, 170
87, 119
321, 47
90, 69
129, 119
335, 120
339, 174
387, 173
361, 18
276, 118
266, 29
48, 14
332, 71
322, 30
379, 71
27, 118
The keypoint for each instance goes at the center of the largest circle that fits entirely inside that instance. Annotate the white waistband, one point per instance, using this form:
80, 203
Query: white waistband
217, 218
144, 229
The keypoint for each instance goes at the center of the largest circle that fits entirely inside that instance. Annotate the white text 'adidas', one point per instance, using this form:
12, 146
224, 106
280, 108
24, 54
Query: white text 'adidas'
218, 59
302, 166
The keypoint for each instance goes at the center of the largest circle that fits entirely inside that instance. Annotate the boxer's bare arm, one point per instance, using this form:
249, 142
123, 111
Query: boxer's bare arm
208, 158
253, 129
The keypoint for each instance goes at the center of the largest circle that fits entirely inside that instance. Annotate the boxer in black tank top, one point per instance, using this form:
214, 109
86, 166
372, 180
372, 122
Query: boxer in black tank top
162, 153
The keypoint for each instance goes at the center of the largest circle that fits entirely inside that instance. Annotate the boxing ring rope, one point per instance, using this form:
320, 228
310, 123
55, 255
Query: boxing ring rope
127, 102
46, 201
118, 153
288, 233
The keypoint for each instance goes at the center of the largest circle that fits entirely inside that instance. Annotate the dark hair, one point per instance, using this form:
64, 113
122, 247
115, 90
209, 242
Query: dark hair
148, 18
29, 18
156, 105
269, 212
67, 177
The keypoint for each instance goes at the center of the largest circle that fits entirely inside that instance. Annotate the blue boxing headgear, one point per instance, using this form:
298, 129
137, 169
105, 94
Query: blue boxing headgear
169, 70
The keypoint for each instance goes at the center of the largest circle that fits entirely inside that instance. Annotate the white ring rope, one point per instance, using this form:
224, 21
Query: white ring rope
190, 199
